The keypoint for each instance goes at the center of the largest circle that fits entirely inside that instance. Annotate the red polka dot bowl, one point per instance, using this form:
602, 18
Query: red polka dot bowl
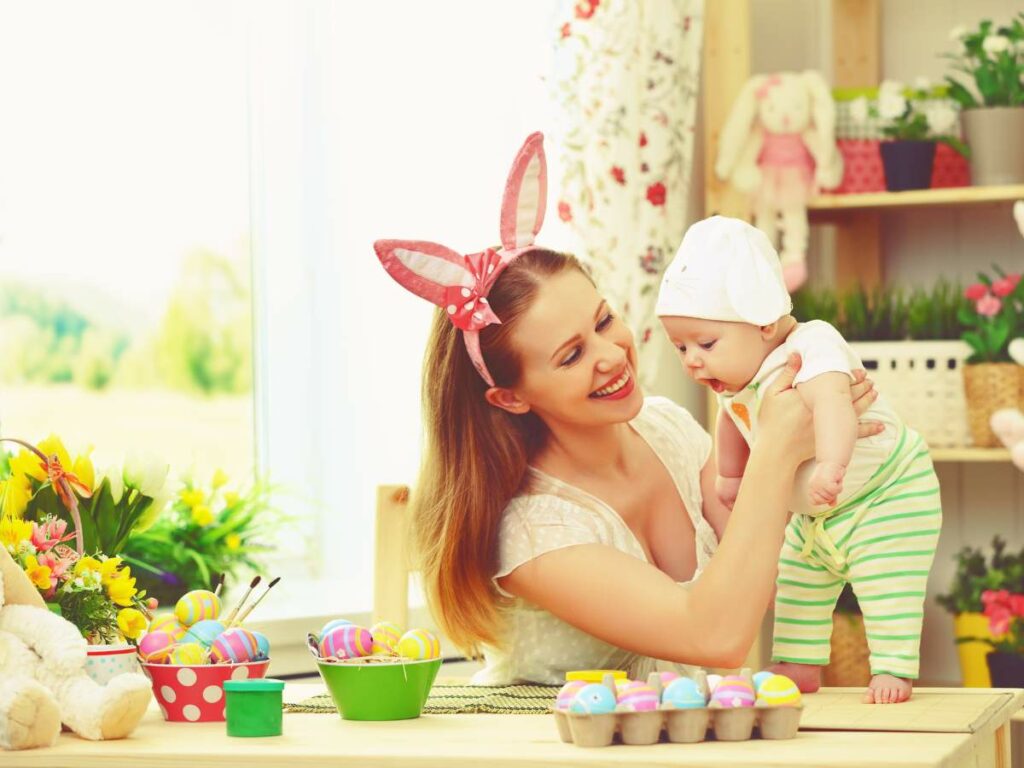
195, 693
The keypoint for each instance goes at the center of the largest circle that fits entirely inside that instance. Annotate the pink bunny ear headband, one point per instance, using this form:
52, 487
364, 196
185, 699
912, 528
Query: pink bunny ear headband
460, 284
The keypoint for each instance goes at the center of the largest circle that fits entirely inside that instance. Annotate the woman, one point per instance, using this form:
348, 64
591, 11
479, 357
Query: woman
559, 515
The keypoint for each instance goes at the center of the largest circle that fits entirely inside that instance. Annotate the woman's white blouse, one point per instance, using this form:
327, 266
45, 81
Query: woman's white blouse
550, 515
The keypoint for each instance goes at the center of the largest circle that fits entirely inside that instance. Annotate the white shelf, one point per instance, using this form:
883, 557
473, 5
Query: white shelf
917, 198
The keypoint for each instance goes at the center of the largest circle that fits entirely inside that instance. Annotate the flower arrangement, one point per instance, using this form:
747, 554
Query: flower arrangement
1005, 613
916, 113
206, 532
990, 61
975, 576
993, 319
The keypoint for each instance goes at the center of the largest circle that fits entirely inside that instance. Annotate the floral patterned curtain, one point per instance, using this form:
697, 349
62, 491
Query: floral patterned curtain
625, 82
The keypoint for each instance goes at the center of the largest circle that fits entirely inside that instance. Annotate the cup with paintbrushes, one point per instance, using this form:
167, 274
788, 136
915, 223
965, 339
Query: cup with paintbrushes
191, 653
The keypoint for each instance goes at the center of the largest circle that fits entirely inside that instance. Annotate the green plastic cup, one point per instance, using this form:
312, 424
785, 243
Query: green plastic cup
380, 691
253, 707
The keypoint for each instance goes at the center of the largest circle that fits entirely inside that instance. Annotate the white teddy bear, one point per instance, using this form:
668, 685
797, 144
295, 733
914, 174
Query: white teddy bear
42, 674
1008, 423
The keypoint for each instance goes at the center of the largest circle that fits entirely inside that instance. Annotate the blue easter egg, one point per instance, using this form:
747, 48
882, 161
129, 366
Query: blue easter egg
682, 693
332, 624
593, 699
204, 632
760, 677
264, 644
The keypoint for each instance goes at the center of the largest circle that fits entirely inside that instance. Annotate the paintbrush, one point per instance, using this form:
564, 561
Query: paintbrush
234, 611
255, 602
220, 585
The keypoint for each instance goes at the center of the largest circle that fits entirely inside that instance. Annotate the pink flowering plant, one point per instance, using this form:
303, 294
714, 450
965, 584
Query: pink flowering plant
994, 318
1005, 613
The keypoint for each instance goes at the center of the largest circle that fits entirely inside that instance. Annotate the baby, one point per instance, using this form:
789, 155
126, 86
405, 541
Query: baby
865, 511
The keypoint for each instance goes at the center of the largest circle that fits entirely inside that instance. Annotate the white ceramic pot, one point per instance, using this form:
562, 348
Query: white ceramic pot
104, 662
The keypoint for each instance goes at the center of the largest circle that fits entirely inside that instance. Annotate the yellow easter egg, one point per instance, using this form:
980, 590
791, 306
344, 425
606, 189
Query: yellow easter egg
168, 622
778, 691
197, 605
419, 644
385, 637
189, 653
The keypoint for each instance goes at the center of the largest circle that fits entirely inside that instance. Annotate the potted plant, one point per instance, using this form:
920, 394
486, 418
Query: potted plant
913, 119
848, 664
974, 577
991, 379
989, 62
1005, 613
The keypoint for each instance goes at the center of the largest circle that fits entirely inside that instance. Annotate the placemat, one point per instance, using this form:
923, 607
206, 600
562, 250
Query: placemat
447, 699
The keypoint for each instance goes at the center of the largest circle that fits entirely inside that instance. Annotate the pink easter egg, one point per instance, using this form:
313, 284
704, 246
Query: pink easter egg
347, 642
235, 645
622, 686
734, 691
567, 693
156, 647
667, 677
638, 698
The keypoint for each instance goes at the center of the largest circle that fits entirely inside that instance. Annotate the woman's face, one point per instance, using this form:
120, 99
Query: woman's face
578, 359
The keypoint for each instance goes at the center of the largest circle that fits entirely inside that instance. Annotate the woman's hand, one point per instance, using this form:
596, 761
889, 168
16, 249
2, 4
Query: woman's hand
785, 420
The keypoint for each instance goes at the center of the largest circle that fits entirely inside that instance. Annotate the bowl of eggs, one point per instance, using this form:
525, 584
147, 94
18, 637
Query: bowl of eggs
189, 655
381, 673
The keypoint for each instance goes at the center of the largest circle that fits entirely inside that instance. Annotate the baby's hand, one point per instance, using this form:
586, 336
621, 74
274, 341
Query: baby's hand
826, 483
727, 488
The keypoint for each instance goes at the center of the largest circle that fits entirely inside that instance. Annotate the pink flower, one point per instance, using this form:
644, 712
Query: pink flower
993, 597
643, 139
564, 211
1003, 287
1017, 605
976, 291
1014, 278
999, 621
988, 306
49, 533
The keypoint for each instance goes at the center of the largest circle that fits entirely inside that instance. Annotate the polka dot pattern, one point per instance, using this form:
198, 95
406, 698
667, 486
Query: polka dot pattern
213, 694
196, 693
168, 694
187, 676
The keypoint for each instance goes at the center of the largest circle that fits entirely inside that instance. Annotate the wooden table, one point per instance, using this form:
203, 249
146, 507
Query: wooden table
497, 741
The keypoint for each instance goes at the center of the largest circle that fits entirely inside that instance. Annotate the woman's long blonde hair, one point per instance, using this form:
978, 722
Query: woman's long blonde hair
475, 457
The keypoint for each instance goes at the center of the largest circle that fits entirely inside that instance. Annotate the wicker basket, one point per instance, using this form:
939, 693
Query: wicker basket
922, 381
990, 386
848, 665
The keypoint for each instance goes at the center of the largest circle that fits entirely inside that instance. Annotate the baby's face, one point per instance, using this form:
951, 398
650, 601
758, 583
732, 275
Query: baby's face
722, 356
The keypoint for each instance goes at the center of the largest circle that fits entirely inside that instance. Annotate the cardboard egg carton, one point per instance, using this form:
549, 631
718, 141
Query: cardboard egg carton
680, 726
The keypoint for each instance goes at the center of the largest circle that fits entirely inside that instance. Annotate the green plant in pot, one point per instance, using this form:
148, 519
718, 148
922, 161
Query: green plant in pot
988, 63
975, 575
912, 119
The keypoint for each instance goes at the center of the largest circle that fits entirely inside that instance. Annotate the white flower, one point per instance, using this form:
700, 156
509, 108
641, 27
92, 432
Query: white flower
859, 110
156, 507
145, 472
891, 103
957, 33
922, 83
995, 44
113, 474
941, 118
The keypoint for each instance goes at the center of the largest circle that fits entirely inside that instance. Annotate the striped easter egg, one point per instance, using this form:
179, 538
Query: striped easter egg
168, 622
622, 686
156, 647
778, 691
235, 645
346, 642
760, 677
189, 654
263, 643
733, 691
667, 678
204, 632
638, 698
385, 637
419, 644
568, 693
333, 624
197, 605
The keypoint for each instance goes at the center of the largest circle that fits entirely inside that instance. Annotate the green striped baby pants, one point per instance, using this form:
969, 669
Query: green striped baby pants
882, 541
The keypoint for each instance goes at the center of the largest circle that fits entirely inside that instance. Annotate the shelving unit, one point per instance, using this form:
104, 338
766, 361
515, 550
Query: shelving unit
969, 455
917, 198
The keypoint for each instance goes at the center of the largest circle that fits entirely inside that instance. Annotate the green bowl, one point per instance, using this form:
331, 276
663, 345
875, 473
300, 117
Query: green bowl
380, 691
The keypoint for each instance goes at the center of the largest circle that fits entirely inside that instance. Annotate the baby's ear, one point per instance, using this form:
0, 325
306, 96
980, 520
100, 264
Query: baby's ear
768, 331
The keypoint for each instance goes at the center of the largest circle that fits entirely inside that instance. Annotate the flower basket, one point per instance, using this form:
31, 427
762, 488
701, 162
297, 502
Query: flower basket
990, 387
923, 382
973, 654
848, 664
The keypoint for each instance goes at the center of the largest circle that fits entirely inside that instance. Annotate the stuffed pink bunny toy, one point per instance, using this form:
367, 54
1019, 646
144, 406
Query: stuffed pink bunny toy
779, 145
460, 284
1008, 423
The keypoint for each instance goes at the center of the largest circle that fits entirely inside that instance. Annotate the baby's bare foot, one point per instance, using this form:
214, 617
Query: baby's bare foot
806, 676
886, 689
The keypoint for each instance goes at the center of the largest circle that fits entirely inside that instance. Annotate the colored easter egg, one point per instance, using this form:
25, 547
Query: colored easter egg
385, 637
188, 653
204, 632
168, 622
778, 691
683, 693
346, 642
419, 644
156, 647
332, 624
733, 691
713, 681
760, 677
667, 678
593, 699
264, 645
639, 698
567, 693
197, 605
622, 686
236, 645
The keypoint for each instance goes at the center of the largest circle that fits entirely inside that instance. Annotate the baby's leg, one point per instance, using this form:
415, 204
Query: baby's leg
806, 596
891, 552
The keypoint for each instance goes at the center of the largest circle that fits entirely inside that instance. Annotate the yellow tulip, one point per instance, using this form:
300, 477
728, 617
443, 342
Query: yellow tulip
13, 532
37, 574
233, 540
201, 515
230, 498
87, 564
27, 464
219, 479
108, 570
53, 445
83, 469
121, 590
192, 497
131, 623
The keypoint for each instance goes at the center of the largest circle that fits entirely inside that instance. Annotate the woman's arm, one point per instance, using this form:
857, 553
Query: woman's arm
633, 605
